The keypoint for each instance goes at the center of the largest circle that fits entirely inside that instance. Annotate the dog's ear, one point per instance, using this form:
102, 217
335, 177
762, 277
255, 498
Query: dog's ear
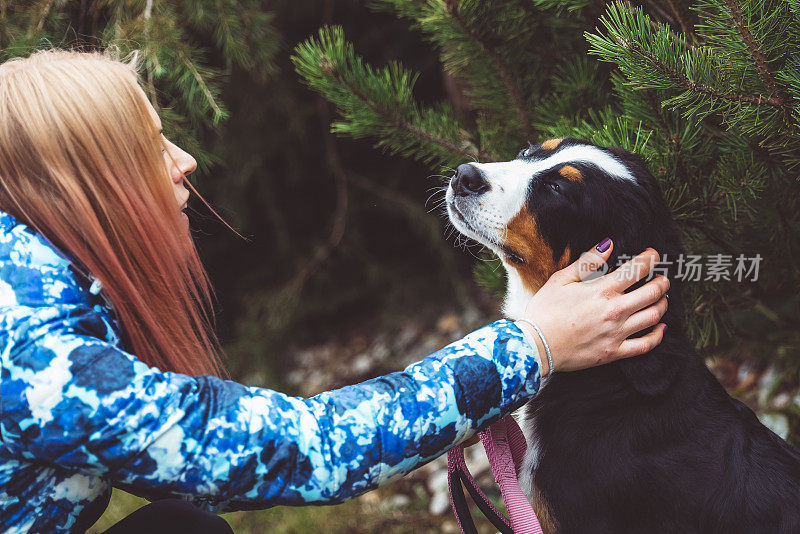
651, 374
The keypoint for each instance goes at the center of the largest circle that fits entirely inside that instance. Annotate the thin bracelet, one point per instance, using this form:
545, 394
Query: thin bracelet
544, 342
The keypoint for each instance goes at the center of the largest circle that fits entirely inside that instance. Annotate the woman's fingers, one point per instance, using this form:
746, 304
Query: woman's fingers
582, 320
645, 318
589, 262
633, 270
646, 295
641, 345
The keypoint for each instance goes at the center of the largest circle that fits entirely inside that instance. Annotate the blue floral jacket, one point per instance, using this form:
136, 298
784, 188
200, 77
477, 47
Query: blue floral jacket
79, 414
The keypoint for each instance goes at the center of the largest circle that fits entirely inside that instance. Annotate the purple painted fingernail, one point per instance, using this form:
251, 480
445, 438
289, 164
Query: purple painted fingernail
603, 245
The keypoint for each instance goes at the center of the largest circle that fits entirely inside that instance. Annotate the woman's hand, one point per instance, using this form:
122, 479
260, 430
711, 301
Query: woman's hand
587, 323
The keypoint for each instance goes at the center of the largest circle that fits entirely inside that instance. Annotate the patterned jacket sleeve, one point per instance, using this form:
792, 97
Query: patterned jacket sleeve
71, 399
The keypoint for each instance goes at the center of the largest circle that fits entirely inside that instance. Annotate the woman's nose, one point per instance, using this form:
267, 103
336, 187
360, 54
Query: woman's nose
186, 165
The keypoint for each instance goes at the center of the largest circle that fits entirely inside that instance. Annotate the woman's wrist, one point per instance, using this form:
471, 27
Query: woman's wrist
535, 341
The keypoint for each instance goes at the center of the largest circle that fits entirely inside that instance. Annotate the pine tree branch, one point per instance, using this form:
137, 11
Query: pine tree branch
223, 22
680, 40
672, 140
479, 155
3, 25
666, 131
762, 64
203, 87
151, 88
405, 125
43, 15
693, 86
668, 18
704, 228
502, 69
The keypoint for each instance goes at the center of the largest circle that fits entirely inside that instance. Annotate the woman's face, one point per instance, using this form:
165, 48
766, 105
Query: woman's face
179, 164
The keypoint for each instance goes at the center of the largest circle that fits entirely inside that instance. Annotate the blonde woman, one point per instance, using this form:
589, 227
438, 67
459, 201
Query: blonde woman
109, 371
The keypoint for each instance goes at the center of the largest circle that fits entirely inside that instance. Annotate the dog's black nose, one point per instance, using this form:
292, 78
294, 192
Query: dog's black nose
468, 180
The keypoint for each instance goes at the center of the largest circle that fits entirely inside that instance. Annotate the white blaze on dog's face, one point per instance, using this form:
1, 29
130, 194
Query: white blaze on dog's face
503, 206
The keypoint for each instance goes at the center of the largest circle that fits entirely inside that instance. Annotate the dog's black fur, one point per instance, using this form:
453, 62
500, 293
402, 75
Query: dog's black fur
652, 444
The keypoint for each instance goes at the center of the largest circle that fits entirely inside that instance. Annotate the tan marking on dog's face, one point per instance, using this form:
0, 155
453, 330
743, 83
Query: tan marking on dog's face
551, 144
571, 173
543, 513
523, 237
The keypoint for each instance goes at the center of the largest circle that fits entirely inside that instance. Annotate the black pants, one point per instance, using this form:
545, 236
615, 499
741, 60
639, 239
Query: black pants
169, 516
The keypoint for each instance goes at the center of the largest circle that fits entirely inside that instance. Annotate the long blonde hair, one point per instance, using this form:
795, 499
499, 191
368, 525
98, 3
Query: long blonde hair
81, 163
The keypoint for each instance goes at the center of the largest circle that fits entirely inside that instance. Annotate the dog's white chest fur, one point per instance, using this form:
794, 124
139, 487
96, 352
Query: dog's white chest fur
516, 301
517, 297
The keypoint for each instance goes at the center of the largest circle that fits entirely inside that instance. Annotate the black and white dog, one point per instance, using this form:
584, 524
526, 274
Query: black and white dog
651, 444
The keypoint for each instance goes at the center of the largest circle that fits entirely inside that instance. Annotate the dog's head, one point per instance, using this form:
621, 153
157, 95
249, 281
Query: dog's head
540, 211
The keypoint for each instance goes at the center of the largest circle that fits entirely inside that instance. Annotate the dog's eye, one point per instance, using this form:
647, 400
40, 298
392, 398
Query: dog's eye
513, 257
526, 152
555, 187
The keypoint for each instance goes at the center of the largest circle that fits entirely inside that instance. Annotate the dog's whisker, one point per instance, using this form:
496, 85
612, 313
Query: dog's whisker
471, 250
437, 205
432, 195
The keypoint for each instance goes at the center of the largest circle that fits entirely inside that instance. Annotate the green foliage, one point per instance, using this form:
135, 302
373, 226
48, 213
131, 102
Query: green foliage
172, 40
490, 274
707, 93
378, 102
503, 82
720, 77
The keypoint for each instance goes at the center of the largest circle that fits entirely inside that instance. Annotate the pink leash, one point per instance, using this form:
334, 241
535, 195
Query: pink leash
505, 446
